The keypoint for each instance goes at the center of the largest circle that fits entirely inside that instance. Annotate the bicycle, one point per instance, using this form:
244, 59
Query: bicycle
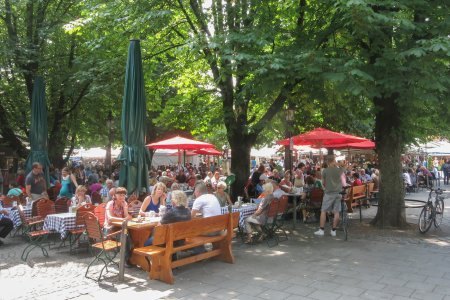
432, 213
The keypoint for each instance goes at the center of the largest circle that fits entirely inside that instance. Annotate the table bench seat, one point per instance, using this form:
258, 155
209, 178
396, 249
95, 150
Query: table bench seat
217, 230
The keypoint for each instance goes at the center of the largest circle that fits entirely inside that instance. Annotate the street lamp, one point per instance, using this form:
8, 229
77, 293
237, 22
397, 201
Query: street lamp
109, 124
290, 113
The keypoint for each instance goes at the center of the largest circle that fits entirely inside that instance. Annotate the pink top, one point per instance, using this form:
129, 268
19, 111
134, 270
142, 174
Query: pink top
115, 211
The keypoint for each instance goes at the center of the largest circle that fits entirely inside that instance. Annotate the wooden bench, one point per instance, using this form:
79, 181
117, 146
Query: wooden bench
195, 233
355, 196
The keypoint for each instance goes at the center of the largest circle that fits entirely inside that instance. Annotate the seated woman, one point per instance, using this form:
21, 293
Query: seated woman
260, 216
286, 183
155, 200
175, 187
178, 213
117, 211
221, 195
80, 197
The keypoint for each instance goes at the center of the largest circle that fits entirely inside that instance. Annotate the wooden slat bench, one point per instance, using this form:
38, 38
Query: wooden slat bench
355, 196
195, 233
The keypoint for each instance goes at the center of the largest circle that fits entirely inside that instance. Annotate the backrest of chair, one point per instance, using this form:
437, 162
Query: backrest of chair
282, 205
45, 207
7, 201
62, 205
22, 215
316, 195
34, 210
83, 210
96, 198
92, 226
273, 208
51, 192
99, 212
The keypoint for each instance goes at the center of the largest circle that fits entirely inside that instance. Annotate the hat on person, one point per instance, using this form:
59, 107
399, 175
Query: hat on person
263, 177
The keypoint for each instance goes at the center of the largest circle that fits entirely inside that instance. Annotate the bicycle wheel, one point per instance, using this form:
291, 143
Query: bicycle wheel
344, 217
425, 218
439, 212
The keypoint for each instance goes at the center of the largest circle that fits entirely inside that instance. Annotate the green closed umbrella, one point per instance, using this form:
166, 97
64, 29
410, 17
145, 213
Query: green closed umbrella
135, 156
39, 129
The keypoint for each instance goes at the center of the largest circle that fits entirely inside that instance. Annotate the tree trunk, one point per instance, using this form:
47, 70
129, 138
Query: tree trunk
240, 164
391, 209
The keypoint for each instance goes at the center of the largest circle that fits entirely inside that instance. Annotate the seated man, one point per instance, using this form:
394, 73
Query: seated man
260, 216
6, 225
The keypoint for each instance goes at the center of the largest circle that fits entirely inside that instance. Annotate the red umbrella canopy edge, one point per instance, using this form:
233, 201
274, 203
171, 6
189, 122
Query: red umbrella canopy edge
321, 137
181, 143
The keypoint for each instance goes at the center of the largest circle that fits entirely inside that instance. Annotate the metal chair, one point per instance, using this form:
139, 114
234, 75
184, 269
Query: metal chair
36, 237
74, 235
62, 205
96, 198
107, 247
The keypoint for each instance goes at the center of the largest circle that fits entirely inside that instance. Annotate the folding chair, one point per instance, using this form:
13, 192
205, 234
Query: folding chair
36, 237
269, 228
96, 198
279, 219
314, 202
29, 224
34, 211
74, 235
45, 207
62, 205
7, 202
100, 212
107, 247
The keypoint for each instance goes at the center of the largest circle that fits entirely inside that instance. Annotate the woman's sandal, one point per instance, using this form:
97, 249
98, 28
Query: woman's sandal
248, 240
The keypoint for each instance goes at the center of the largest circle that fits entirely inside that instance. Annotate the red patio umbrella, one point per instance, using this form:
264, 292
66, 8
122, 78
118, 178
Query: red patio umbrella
180, 143
361, 145
210, 151
321, 137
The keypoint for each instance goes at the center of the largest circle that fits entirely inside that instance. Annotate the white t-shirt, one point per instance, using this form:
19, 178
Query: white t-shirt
278, 193
208, 205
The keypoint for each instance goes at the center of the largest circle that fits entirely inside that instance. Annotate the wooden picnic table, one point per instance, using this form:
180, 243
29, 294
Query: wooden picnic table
139, 233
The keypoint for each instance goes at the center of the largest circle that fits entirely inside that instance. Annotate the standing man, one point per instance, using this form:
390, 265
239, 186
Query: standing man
35, 184
331, 178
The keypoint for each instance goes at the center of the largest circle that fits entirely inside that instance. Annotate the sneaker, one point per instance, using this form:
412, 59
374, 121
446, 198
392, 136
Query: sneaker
319, 232
333, 232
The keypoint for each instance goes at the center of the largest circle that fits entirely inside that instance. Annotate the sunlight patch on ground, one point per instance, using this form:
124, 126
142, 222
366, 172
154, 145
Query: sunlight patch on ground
437, 242
276, 253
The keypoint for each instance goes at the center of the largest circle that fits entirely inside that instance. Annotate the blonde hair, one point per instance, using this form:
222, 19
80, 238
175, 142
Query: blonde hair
268, 188
159, 184
80, 188
179, 198
121, 190
222, 184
